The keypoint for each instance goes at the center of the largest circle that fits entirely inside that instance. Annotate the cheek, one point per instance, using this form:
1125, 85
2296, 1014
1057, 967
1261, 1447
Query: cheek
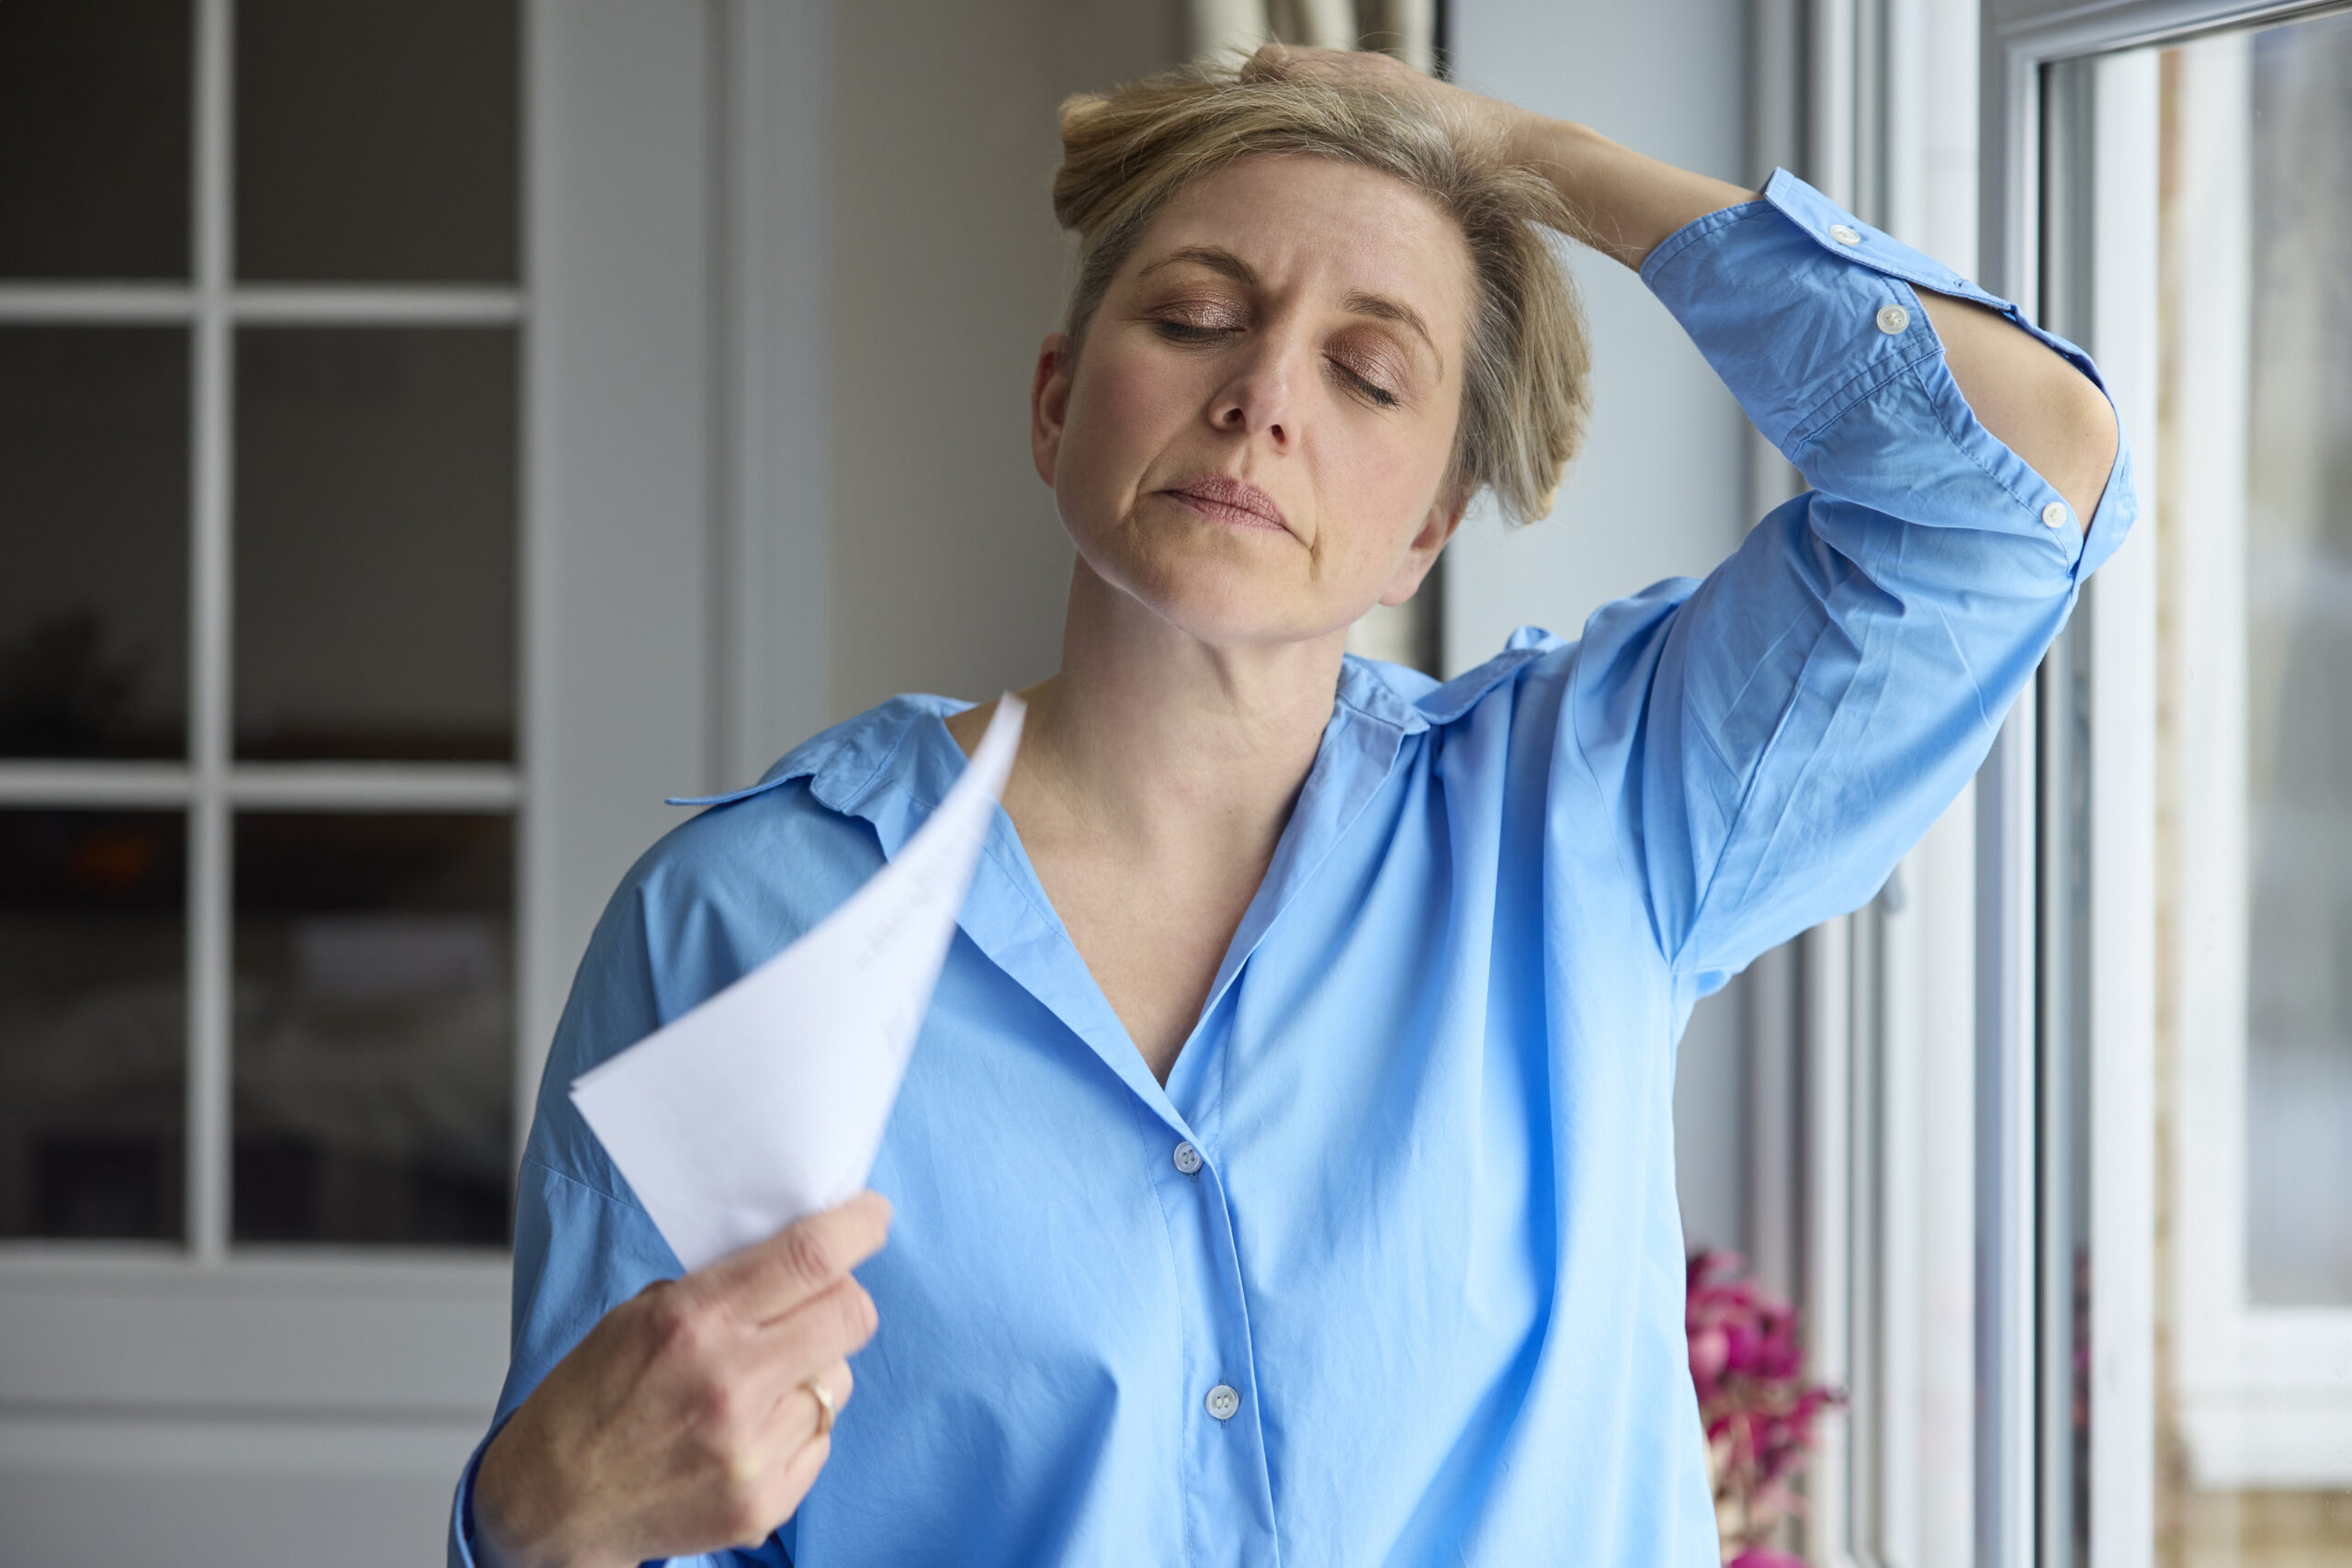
1388, 479
1121, 412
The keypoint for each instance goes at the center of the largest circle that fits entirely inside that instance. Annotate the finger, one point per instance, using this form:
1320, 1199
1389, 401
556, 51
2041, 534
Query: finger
1268, 64
810, 1417
798, 1473
770, 1278
813, 1340
783, 1483
819, 1331
803, 1439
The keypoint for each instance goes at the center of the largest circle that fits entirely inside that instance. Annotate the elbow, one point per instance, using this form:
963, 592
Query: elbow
2083, 441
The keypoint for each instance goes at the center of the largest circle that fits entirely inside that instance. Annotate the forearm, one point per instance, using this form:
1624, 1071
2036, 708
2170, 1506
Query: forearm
2034, 402
1627, 201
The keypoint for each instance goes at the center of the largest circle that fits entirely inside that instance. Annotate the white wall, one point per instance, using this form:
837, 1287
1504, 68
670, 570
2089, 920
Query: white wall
1660, 489
949, 566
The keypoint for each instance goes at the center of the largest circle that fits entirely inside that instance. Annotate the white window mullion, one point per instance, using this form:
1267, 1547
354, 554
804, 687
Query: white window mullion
110, 304
208, 849
115, 784
2123, 829
407, 305
2005, 1117
1825, 993
373, 786
1834, 108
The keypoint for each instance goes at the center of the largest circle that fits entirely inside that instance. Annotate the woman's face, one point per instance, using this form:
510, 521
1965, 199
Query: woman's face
1254, 436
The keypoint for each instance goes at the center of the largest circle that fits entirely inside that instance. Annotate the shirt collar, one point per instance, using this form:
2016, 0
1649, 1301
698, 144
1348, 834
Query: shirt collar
849, 765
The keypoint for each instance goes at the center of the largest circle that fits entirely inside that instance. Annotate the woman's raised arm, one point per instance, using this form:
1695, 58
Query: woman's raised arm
1772, 739
2035, 403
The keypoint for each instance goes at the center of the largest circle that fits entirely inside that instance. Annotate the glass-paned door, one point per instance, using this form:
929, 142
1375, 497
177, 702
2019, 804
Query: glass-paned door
260, 310
361, 556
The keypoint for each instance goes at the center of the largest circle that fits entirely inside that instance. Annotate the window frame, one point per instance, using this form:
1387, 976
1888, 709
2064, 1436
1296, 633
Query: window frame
2050, 86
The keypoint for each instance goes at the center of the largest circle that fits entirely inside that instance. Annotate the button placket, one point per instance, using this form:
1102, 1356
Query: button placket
1227, 1488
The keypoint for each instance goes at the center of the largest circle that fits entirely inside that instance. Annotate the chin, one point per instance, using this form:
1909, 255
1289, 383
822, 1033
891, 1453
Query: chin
1218, 599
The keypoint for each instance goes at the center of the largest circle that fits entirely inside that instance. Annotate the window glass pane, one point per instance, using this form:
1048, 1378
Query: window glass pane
2299, 674
375, 542
376, 140
94, 431
2254, 788
93, 1023
94, 138
375, 1028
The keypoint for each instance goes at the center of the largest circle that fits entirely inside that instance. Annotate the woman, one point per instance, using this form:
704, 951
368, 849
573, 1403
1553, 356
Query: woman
1284, 1173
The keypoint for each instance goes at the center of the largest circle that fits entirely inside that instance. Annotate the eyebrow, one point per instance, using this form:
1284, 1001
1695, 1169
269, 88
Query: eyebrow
1380, 307
1359, 302
1216, 258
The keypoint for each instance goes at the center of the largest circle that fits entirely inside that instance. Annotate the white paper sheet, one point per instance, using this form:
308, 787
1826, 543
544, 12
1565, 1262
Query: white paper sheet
767, 1102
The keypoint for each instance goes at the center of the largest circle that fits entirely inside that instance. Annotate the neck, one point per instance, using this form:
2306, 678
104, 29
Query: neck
1154, 740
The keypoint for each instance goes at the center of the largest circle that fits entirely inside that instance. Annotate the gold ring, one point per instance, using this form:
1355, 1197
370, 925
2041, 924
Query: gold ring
826, 1410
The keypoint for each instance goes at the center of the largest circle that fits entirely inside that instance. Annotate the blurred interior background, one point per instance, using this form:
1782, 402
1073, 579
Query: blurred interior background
432, 433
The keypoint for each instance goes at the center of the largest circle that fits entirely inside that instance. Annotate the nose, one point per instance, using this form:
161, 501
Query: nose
1256, 400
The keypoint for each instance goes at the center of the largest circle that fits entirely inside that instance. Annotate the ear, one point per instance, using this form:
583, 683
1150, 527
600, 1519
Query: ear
1444, 517
1048, 404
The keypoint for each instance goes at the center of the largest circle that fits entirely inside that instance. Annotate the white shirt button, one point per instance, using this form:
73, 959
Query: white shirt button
1892, 319
1223, 1402
2054, 514
1188, 1160
1843, 235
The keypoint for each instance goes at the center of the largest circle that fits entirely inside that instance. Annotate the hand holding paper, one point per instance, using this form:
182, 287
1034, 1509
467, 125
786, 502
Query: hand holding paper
768, 1101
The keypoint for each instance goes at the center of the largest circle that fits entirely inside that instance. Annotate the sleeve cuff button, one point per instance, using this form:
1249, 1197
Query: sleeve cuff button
2054, 514
1843, 235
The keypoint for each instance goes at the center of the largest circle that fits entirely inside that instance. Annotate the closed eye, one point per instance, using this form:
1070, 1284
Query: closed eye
1186, 331
1365, 387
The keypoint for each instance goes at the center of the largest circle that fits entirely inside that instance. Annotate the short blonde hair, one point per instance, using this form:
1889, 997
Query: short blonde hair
1526, 376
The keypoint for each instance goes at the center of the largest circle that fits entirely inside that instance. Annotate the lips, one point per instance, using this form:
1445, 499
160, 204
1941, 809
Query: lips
1229, 499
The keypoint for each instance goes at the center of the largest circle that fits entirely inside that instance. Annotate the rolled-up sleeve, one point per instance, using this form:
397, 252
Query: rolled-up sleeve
1775, 737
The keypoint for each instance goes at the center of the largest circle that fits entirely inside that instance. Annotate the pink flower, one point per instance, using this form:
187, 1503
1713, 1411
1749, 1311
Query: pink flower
1710, 1353
1746, 1365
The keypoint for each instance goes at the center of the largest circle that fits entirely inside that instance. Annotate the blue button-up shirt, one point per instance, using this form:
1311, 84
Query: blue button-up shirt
1430, 1238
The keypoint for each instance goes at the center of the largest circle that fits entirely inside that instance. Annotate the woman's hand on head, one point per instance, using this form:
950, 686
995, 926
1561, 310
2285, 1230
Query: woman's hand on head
1625, 203
683, 1422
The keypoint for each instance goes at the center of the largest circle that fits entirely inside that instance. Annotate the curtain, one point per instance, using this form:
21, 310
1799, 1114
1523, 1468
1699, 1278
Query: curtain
1407, 29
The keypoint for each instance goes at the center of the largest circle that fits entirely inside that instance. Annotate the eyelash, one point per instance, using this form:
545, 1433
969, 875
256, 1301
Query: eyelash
1186, 332
1379, 394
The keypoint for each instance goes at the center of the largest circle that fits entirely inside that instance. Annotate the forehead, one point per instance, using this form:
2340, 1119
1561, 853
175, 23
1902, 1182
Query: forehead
1317, 223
